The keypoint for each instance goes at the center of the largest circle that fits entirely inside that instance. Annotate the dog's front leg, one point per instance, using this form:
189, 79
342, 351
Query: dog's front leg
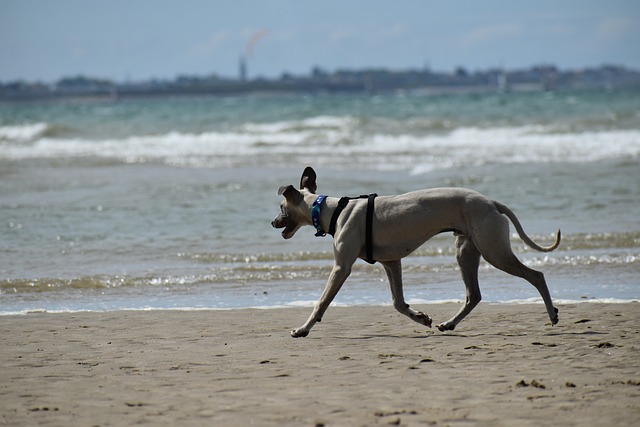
336, 279
394, 273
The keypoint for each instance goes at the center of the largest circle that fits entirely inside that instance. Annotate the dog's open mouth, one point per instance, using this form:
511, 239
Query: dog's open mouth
290, 228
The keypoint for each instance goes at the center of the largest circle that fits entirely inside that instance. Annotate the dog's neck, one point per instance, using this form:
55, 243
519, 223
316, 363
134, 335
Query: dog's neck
322, 212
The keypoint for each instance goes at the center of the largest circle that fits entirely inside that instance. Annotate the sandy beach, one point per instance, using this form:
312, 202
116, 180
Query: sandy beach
504, 365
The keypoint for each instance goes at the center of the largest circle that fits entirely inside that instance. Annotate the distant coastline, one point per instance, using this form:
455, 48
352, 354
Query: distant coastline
367, 81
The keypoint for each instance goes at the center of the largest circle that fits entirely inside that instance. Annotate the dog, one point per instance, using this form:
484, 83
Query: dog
397, 226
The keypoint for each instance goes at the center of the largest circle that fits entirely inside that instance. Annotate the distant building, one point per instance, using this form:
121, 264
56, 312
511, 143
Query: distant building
243, 69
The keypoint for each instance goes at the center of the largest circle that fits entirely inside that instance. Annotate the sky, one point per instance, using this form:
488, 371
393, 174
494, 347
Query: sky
133, 40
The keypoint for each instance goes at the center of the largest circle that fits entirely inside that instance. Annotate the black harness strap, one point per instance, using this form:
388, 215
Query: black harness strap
342, 203
369, 231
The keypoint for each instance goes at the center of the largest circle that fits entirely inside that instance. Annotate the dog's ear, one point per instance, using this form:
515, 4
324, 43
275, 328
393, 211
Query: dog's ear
308, 180
291, 194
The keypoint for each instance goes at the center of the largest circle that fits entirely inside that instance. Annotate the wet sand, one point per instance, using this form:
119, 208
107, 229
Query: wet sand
504, 365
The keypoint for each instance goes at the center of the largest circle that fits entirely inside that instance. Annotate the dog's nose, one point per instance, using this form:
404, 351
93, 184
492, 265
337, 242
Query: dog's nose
279, 222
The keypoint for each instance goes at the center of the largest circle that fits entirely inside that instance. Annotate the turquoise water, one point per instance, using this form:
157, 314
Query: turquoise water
166, 203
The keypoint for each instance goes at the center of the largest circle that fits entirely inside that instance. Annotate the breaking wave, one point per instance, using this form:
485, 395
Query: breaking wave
23, 133
418, 147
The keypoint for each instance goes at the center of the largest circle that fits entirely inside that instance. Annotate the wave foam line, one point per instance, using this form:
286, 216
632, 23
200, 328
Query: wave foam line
278, 141
309, 304
23, 133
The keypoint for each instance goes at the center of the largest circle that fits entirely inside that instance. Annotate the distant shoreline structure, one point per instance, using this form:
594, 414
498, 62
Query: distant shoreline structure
366, 81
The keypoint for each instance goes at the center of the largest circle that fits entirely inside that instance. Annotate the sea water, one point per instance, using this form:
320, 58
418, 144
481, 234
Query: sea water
166, 202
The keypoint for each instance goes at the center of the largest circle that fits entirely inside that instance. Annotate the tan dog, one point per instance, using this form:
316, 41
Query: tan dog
399, 225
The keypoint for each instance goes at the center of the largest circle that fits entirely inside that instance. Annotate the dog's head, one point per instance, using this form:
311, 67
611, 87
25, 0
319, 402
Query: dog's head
295, 209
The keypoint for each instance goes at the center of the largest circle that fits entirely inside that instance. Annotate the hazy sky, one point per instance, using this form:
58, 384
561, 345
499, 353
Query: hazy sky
141, 39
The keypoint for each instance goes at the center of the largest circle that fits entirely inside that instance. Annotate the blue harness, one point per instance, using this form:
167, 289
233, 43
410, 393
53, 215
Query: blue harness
315, 216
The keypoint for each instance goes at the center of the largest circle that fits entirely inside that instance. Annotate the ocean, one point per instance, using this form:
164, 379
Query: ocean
166, 203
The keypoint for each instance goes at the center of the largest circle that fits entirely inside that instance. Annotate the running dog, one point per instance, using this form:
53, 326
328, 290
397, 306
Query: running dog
388, 228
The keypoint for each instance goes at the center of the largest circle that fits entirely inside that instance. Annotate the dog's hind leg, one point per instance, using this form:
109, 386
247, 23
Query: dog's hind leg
513, 266
468, 258
394, 273
499, 254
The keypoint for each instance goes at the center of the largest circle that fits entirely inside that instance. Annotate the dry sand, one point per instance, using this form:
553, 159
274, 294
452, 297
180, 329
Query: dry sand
504, 365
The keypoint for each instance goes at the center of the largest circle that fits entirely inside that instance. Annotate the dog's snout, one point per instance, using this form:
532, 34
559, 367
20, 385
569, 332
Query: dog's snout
279, 222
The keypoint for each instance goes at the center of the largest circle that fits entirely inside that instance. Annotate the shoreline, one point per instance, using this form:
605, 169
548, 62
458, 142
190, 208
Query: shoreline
503, 365
308, 304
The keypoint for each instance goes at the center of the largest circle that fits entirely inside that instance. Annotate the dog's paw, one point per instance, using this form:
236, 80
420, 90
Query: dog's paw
446, 327
299, 333
555, 319
424, 319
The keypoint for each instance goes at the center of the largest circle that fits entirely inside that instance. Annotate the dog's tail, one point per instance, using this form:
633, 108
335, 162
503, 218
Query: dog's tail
506, 211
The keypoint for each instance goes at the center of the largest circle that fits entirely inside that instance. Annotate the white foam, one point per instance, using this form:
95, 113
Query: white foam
22, 133
309, 304
317, 122
420, 301
341, 139
537, 300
